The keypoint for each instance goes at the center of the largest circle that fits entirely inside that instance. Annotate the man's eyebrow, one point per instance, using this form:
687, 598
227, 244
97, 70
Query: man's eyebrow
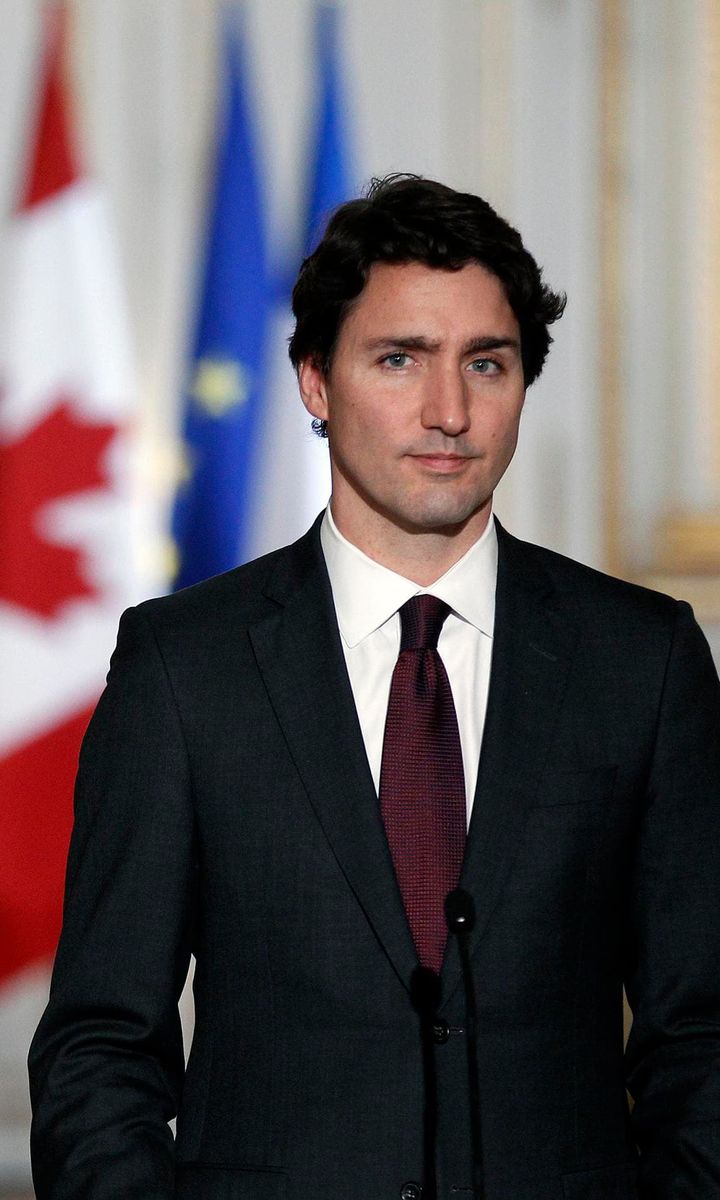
475, 345
403, 342
413, 342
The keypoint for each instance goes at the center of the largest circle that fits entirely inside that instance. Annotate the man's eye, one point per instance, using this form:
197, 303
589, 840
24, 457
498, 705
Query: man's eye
396, 360
484, 366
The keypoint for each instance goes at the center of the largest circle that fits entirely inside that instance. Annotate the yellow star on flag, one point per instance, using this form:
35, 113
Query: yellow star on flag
220, 384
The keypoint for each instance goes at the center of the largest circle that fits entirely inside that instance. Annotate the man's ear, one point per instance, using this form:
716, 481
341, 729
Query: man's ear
313, 388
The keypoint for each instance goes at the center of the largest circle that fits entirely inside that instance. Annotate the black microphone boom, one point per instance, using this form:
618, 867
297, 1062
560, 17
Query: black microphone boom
460, 918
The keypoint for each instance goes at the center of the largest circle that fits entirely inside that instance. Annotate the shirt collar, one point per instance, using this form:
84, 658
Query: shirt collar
366, 594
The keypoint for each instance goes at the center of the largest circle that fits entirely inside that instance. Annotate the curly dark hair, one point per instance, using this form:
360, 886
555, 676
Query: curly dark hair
405, 218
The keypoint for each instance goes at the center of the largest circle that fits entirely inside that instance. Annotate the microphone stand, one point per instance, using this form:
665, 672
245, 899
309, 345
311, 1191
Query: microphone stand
460, 918
425, 996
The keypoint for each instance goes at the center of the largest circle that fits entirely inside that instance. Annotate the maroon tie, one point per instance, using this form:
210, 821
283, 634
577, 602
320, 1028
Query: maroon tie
422, 785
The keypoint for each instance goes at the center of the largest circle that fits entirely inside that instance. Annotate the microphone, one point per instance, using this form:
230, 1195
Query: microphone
459, 911
460, 919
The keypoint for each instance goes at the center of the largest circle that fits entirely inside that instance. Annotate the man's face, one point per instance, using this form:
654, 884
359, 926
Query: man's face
422, 400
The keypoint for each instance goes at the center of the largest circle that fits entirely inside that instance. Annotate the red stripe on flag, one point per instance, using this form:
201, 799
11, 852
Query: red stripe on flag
36, 785
53, 165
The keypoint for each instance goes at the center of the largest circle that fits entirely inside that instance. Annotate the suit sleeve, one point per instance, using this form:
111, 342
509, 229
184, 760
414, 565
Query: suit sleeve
106, 1064
673, 983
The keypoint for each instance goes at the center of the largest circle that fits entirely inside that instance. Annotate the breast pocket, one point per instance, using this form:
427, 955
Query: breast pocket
565, 829
562, 789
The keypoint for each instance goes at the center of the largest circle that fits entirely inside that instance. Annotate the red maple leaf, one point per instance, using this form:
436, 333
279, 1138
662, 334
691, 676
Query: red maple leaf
58, 457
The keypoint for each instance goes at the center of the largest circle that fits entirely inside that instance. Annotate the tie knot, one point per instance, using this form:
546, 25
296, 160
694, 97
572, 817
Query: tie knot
421, 620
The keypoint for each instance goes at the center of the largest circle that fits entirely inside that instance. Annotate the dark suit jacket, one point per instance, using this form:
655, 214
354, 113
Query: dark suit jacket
225, 806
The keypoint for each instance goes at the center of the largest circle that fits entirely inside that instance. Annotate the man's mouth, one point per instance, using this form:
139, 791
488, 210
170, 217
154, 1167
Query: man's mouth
439, 461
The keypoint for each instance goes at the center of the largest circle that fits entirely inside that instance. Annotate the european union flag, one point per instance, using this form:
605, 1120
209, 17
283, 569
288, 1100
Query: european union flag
224, 388
330, 183
293, 482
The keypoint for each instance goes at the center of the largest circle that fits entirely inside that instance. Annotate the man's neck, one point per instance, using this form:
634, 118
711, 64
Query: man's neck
422, 556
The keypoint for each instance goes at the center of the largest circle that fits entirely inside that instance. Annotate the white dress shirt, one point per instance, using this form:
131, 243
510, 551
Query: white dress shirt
367, 597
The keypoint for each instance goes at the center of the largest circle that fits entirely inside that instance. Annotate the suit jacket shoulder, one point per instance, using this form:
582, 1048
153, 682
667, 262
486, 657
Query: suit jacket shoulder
246, 593
591, 595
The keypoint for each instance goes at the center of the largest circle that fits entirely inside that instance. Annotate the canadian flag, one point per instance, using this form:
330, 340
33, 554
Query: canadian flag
66, 507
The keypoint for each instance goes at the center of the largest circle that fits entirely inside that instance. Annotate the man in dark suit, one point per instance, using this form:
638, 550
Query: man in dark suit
278, 776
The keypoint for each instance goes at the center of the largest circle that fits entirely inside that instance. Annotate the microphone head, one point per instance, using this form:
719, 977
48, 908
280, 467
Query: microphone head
459, 911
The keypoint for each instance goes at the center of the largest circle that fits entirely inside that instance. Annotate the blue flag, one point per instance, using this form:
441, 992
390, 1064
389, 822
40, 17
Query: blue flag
224, 387
330, 182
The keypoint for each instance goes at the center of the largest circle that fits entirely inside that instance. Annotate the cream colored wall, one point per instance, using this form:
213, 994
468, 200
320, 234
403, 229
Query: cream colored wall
660, 299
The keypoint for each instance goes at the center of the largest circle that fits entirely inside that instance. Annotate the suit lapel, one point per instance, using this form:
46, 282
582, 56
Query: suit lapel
299, 654
535, 634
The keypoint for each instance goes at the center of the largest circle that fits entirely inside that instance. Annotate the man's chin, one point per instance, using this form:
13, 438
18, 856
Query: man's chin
447, 519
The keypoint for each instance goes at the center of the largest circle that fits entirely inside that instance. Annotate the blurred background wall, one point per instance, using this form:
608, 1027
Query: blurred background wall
593, 125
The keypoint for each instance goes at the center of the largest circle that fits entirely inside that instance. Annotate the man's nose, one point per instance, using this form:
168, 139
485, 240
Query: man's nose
446, 402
